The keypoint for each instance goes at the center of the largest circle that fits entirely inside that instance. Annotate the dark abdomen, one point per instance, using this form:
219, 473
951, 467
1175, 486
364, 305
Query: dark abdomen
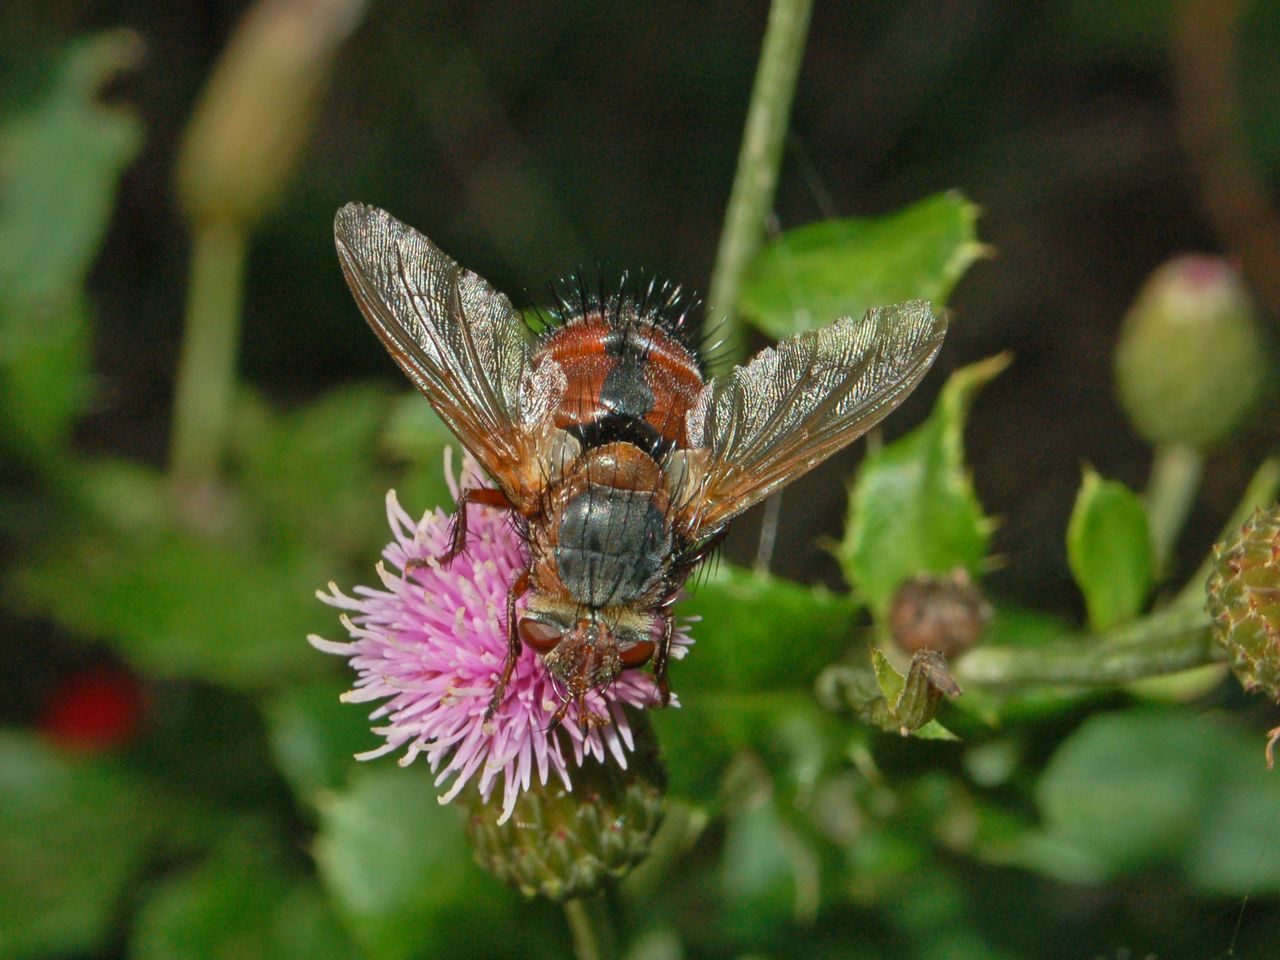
612, 546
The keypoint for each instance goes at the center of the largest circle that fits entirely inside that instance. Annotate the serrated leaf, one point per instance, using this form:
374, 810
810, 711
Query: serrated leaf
1109, 549
59, 815
814, 274
912, 508
398, 867
62, 161
761, 643
243, 901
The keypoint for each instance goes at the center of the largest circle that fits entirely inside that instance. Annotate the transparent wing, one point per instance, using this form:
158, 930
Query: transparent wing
797, 403
459, 340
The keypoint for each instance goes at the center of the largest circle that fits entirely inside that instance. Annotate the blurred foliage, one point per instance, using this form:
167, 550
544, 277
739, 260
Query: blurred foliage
1062, 823
913, 508
843, 268
60, 161
1109, 547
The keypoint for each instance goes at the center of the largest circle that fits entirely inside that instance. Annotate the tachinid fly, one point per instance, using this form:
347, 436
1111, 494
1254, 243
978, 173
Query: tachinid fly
621, 463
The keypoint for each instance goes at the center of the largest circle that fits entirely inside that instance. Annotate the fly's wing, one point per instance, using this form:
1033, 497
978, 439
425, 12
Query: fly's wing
797, 403
459, 341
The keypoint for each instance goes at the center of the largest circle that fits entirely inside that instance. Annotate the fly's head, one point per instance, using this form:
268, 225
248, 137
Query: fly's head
586, 650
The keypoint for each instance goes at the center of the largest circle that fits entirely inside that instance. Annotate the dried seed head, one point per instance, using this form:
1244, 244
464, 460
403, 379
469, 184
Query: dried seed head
946, 614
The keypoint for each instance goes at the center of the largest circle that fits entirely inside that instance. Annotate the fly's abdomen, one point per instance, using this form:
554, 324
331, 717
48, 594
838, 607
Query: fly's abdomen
612, 546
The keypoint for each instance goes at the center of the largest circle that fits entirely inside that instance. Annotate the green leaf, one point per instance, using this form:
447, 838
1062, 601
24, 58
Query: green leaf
396, 863
1109, 549
311, 471
73, 834
769, 873
756, 631
314, 737
814, 274
244, 901
62, 161
1126, 791
417, 436
912, 507
177, 604
1146, 788
761, 642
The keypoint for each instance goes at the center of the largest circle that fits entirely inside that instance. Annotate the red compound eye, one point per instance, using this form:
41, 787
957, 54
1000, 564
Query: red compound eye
638, 654
539, 634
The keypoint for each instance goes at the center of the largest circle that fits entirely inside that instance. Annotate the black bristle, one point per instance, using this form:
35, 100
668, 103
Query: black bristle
637, 297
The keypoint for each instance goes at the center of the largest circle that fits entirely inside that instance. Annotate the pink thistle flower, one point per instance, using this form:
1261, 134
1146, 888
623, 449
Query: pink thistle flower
432, 643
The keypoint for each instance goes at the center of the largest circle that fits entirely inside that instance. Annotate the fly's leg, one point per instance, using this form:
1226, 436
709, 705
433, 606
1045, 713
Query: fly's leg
684, 566
662, 657
518, 587
487, 496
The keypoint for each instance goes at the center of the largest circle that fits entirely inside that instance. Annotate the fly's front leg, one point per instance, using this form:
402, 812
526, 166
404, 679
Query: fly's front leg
518, 587
487, 496
662, 657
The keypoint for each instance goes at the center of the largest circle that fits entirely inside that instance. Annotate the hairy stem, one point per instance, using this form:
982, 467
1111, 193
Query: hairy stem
1175, 477
206, 369
758, 161
1168, 641
591, 927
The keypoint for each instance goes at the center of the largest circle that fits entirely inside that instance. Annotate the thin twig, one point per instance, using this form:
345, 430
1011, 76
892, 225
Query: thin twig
591, 927
758, 161
206, 369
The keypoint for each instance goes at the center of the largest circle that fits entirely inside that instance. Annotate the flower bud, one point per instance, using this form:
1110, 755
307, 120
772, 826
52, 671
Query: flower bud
248, 129
561, 843
1190, 363
1244, 601
946, 614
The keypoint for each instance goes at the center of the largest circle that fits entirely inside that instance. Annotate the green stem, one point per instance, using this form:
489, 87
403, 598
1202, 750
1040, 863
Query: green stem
207, 367
758, 161
1263, 488
1174, 639
591, 927
1175, 477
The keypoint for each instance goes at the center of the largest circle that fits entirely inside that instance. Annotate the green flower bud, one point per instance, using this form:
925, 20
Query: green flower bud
559, 843
1244, 601
255, 114
1190, 361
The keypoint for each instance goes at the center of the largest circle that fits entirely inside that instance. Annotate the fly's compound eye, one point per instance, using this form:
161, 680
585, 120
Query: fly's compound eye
637, 655
539, 634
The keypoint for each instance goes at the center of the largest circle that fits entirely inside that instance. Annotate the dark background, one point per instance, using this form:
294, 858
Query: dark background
528, 140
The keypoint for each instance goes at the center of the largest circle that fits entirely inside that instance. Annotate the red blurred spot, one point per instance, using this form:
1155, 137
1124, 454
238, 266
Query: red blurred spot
93, 710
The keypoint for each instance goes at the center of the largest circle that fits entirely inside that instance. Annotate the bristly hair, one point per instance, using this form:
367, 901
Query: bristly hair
639, 297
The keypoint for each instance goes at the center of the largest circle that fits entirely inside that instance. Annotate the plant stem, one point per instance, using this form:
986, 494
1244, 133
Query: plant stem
758, 161
1175, 477
591, 927
1263, 488
1173, 639
206, 369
